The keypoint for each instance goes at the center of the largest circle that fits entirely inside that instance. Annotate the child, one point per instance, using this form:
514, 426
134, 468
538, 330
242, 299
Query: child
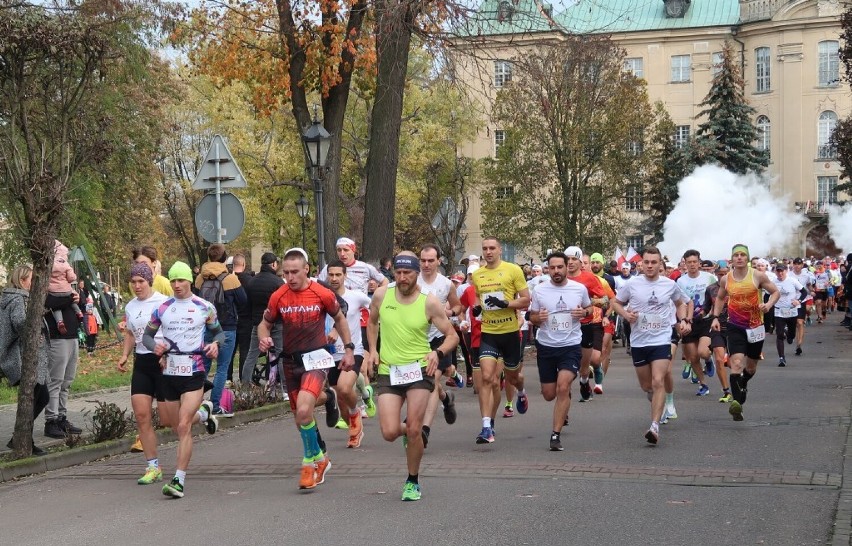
61, 278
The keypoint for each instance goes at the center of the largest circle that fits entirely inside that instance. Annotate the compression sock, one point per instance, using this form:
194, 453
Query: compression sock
310, 442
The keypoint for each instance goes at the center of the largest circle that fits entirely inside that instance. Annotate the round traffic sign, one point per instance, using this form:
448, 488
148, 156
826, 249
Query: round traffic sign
233, 217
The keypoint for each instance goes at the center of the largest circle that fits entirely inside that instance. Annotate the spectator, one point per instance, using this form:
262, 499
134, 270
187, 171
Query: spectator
61, 277
90, 326
13, 309
385, 269
244, 322
63, 354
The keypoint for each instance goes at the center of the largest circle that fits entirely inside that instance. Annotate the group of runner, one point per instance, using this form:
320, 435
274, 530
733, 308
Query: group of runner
413, 326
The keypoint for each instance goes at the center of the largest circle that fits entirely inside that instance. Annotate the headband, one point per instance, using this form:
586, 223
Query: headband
345, 241
142, 270
740, 248
407, 262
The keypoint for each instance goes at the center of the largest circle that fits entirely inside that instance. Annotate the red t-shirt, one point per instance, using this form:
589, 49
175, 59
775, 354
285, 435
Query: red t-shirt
596, 290
468, 299
303, 315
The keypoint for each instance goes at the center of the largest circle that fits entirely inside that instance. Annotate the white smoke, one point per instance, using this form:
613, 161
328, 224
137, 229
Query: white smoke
717, 209
840, 226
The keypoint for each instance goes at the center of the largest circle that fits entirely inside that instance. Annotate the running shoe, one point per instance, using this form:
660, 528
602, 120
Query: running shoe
686, 371
598, 389
508, 411
522, 403
693, 377
459, 380
703, 390
449, 402
585, 391
411, 492
153, 474
665, 418
736, 410
341, 424
726, 397
137, 446
599, 375
212, 423
362, 409
653, 435
799, 350
710, 367
332, 412
670, 410
308, 479
173, 489
555, 443
322, 467
782, 362
371, 403
469, 381
486, 436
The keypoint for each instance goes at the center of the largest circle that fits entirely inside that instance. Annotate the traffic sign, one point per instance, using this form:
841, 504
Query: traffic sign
233, 217
219, 162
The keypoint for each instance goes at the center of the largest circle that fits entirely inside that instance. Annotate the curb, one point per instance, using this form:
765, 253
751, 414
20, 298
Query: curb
85, 454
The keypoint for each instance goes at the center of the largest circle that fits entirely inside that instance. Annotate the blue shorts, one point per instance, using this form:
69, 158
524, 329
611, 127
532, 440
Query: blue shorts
645, 355
830, 291
552, 360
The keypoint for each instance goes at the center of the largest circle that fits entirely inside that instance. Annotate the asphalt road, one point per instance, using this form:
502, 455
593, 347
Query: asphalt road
776, 478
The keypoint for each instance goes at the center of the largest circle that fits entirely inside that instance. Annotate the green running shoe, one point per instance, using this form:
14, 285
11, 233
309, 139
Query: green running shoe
736, 410
173, 489
341, 424
411, 492
153, 474
371, 403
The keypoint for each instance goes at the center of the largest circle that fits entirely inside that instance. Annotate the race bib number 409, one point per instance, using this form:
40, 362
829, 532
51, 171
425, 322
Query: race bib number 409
406, 374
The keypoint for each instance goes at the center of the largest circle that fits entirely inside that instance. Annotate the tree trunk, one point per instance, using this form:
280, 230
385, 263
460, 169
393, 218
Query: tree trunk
393, 39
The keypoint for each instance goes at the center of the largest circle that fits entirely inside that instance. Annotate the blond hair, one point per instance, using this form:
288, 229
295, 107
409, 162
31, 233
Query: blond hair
19, 274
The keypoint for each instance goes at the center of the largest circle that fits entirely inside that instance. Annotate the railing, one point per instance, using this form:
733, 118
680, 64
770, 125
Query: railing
759, 10
826, 151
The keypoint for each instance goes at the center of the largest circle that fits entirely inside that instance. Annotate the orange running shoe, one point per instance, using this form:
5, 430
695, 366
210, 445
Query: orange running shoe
321, 468
308, 479
356, 431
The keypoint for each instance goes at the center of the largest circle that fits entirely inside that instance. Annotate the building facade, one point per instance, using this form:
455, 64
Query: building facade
789, 55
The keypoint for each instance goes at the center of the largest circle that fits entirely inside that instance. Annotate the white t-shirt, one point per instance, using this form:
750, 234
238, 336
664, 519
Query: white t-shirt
358, 276
821, 281
695, 288
653, 300
137, 313
790, 289
560, 329
440, 288
620, 281
805, 278
356, 301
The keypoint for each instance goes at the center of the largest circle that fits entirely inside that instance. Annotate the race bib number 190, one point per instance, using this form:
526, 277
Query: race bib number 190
317, 360
404, 375
179, 365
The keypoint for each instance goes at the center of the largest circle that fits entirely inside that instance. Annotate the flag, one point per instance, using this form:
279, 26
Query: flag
618, 256
633, 256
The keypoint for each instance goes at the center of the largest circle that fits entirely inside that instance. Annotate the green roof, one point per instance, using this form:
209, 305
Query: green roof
596, 16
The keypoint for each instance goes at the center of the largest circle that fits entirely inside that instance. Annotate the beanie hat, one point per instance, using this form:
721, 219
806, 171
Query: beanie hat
180, 272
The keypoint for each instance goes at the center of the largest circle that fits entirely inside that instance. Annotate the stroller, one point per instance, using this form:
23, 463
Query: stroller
268, 374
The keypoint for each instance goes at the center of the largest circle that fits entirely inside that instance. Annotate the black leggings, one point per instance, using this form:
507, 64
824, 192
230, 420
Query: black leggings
782, 324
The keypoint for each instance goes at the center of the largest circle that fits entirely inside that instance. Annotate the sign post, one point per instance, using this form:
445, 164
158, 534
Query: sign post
218, 171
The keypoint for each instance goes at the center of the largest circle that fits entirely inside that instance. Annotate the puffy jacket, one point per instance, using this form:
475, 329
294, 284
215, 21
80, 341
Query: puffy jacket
13, 314
234, 293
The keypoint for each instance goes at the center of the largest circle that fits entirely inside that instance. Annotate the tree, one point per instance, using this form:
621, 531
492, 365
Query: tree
574, 124
62, 68
841, 138
728, 136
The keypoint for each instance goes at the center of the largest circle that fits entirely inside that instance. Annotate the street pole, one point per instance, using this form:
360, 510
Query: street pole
304, 241
315, 178
218, 196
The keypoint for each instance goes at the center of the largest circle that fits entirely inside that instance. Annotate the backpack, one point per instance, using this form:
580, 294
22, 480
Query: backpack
213, 291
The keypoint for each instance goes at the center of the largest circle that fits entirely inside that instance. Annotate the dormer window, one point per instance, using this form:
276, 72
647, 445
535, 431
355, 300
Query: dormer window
676, 9
505, 9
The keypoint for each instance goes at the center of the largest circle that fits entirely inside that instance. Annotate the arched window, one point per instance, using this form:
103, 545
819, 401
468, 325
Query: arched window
764, 134
827, 124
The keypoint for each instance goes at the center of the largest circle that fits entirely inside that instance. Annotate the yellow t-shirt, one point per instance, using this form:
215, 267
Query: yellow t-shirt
503, 283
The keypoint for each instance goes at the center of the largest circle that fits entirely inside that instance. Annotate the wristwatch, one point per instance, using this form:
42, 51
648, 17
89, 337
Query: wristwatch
440, 354
349, 345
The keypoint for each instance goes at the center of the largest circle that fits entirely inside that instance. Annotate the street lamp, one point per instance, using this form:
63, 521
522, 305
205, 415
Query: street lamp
302, 206
317, 141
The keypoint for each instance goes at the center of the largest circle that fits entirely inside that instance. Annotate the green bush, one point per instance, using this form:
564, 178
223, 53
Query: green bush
110, 422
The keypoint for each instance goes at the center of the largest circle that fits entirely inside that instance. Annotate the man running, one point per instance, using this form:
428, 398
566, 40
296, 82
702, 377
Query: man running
432, 282
302, 305
501, 290
406, 363
650, 297
745, 322
596, 263
694, 284
822, 280
185, 320
718, 346
806, 279
557, 307
792, 293
358, 273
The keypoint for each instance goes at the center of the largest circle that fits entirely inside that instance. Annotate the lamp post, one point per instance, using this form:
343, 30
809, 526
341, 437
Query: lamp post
316, 141
302, 206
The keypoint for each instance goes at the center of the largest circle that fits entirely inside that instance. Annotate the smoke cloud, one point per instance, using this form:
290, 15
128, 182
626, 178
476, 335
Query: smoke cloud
840, 227
716, 209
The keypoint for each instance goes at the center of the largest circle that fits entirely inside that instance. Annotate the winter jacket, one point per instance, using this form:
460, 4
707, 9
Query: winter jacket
260, 289
244, 311
234, 293
13, 314
62, 274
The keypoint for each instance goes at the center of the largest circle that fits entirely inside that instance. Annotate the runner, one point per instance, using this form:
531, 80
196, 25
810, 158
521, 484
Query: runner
358, 273
344, 381
432, 282
718, 346
301, 305
596, 263
147, 375
806, 279
822, 280
501, 290
557, 307
650, 297
185, 320
694, 284
745, 322
792, 293
406, 363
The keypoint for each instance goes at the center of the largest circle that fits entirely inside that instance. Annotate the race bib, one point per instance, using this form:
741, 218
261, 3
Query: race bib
179, 365
756, 334
317, 360
821, 285
560, 322
787, 312
406, 374
487, 296
653, 323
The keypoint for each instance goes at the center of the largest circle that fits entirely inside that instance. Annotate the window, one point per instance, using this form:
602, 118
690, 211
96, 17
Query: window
681, 68
509, 252
826, 191
829, 63
716, 66
761, 67
681, 136
827, 123
504, 192
764, 134
636, 241
633, 197
502, 73
499, 139
635, 66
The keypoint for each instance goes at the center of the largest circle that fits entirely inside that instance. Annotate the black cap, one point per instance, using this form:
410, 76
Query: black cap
268, 258
798, 261
707, 263
780, 266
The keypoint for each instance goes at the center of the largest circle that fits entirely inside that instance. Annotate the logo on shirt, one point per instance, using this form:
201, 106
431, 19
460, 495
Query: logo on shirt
299, 309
